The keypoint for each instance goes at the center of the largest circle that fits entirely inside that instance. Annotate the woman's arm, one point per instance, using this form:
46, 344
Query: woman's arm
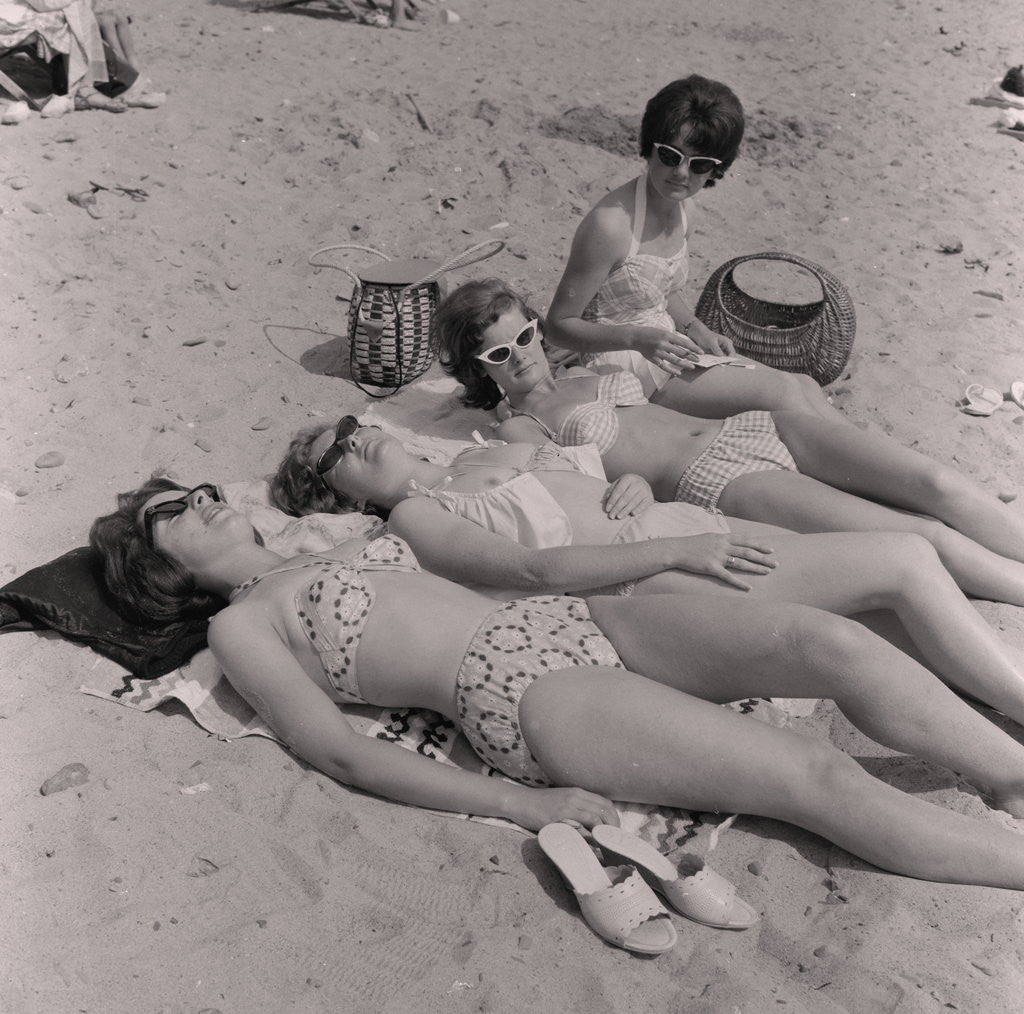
685, 316
263, 670
462, 551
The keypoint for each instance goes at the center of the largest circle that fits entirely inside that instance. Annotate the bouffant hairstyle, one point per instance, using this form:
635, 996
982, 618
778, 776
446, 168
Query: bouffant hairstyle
708, 110
146, 584
297, 489
457, 330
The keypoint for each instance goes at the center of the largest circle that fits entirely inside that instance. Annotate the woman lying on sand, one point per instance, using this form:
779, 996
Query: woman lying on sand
620, 299
526, 519
792, 469
299, 635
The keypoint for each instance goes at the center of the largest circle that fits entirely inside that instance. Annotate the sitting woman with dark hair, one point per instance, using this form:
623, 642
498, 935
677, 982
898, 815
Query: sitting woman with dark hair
547, 690
620, 301
784, 468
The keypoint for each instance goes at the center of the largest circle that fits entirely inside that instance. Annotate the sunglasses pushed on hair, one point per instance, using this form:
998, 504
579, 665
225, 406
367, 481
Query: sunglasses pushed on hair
172, 508
700, 165
496, 355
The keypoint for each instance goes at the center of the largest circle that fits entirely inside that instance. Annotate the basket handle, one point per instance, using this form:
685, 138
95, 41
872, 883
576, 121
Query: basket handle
820, 275
477, 252
338, 267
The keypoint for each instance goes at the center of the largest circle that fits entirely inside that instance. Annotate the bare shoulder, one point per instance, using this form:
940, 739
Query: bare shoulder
408, 512
576, 373
611, 219
521, 429
237, 624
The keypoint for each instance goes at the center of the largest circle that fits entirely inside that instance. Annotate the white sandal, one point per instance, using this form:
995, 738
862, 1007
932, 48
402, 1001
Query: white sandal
615, 901
703, 895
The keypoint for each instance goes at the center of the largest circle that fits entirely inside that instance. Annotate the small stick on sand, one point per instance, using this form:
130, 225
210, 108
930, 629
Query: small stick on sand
419, 115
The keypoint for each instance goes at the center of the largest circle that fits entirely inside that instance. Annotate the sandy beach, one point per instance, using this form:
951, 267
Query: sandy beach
175, 325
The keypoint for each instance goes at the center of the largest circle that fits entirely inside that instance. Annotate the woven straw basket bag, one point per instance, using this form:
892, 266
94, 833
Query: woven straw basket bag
390, 311
814, 338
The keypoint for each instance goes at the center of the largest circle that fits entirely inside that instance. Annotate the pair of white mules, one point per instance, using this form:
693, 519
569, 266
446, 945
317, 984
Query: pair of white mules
981, 400
618, 901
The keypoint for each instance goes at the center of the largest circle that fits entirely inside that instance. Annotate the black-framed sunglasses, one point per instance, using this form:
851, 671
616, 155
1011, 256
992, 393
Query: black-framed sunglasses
172, 508
700, 165
347, 425
496, 355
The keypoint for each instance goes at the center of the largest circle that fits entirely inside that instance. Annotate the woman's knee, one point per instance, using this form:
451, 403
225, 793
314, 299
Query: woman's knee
815, 780
936, 485
808, 387
938, 535
829, 645
796, 391
907, 556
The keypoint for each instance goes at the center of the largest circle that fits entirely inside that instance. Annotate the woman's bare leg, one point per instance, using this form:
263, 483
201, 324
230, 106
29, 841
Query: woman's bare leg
760, 649
856, 572
630, 738
726, 390
880, 468
804, 504
399, 18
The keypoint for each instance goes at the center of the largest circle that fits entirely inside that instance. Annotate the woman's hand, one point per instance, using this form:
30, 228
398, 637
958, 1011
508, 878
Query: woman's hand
627, 496
722, 556
574, 806
670, 350
709, 341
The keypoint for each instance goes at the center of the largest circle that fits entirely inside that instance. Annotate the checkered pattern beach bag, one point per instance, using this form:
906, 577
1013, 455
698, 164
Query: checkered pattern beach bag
814, 338
390, 311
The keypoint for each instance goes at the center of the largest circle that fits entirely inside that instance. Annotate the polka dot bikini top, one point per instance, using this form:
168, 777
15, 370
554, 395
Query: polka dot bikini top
334, 606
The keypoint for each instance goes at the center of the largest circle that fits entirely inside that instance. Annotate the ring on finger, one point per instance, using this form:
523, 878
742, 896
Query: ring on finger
730, 561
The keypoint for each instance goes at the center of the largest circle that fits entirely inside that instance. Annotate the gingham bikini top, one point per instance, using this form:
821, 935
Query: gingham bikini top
637, 290
334, 606
595, 422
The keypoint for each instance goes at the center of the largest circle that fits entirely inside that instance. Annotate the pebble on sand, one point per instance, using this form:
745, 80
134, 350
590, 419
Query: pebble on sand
68, 368
67, 778
51, 459
1007, 495
262, 424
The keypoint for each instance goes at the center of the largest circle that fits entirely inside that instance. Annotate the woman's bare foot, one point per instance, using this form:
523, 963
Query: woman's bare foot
92, 99
136, 97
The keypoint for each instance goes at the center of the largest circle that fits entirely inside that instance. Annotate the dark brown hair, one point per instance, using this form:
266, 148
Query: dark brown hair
148, 585
457, 329
708, 110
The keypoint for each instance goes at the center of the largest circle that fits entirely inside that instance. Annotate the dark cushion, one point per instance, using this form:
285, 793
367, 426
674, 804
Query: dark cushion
68, 595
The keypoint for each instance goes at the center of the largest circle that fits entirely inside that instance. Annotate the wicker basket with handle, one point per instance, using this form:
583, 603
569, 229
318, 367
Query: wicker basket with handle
814, 338
390, 311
